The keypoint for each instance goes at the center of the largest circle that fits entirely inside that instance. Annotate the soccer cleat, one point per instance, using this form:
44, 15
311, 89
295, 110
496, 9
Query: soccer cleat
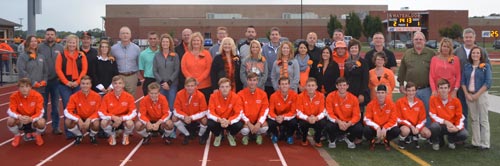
258, 140
125, 140
305, 143
217, 140
78, 140
16, 141
93, 140
387, 145
417, 145
244, 140
452, 146
435, 146
231, 140
332, 145
274, 138
289, 140
318, 144
112, 140
350, 144
401, 144
38, 139
146, 140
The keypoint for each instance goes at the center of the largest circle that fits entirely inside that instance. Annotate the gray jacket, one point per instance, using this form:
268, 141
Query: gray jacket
270, 53
464, 58
257, 66
293, 75
166, 70
34, 69
50, 54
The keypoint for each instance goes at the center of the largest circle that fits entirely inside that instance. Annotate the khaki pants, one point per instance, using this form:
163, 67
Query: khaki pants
480, 126
130, 83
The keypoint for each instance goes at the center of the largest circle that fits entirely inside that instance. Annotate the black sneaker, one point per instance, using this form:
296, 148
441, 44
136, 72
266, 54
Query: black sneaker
186, 140
417, 145
78, 140
401, 144
203, 138
93, 140
146, 140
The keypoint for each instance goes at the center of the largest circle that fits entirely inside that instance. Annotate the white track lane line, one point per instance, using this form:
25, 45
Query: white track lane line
9, 140
280, 155
131, 153
205, 153
58, 152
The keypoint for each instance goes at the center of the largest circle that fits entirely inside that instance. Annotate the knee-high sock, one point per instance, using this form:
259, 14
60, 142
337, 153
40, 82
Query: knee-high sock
14, 129
263, 130
128, 131
93, 133
203, 129
181, 127
40, 131
167, 132
75, 130
245, 131
109, 130
143, 132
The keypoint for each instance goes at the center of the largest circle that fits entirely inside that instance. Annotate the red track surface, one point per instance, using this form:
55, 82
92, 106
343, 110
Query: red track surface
155, 153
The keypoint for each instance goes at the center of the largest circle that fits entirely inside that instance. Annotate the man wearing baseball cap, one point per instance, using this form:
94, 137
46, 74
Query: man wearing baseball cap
340, 55
91, 54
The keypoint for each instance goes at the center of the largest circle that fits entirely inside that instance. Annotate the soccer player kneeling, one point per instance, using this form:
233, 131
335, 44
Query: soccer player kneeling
381, 119
81, 112
344, 114
25, 112
412, 118
447, 117
117, 111
255, 109
311, 112
154, 114
224, 113
282, 111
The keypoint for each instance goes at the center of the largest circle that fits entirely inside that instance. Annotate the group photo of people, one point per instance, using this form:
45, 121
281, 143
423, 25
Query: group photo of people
250, 92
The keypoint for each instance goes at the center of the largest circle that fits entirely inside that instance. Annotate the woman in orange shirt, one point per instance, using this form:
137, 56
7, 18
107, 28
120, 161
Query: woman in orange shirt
197, 62
381, 75
304, 64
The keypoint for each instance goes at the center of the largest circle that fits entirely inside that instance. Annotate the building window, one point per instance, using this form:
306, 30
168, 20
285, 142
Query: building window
224, 16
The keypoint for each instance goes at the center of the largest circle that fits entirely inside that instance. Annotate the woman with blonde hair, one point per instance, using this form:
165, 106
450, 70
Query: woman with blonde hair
226, 64
286, 66
197, 63
255, 63
107, 67
445, 65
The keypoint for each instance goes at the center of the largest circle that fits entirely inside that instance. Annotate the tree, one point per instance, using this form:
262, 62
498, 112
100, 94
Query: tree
372, 25
353, 26
453, 32
333, 24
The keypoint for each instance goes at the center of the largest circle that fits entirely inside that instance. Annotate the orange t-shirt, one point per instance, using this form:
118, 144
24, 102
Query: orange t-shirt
387, 79
197, 67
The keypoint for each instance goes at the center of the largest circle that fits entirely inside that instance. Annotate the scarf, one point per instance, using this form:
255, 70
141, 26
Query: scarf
350, 63
283, 68
71, 67
302, 62
229, 68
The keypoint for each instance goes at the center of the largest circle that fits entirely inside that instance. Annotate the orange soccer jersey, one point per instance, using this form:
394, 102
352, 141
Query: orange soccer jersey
150, 110
411, 115
279, 106
81, 106
377, 116
122, 106
31, 105
344, 109
225, 107
255, 105
194, 106
307, 106
451, 111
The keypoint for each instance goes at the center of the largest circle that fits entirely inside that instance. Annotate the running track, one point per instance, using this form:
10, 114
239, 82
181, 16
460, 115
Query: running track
59, 151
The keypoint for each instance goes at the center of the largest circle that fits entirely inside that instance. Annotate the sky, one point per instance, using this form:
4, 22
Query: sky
75, 15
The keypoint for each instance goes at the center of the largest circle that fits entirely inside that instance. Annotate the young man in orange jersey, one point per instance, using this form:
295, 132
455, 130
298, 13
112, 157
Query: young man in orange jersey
343, 114
81, 112
190, 110
154, 114
117, 111
282, 111
311, 112
224, 113
25, 112
412, 117
255, 108
447, 117
381, 120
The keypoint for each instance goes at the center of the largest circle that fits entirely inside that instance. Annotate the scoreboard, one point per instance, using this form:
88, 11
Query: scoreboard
401, 22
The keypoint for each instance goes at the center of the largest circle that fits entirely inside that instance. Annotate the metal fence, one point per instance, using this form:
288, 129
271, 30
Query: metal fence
9, 73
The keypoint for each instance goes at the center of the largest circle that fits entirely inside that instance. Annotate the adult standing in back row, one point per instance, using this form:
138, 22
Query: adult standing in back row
196, 63
127, 59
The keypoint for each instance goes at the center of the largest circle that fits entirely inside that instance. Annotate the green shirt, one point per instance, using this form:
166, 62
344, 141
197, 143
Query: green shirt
415, 67
146, 62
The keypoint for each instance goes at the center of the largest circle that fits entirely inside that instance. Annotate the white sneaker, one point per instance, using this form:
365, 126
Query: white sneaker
435, 146
350, 144
332, 145
451, 145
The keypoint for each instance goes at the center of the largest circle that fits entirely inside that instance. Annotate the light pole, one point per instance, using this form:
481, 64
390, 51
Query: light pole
301, 21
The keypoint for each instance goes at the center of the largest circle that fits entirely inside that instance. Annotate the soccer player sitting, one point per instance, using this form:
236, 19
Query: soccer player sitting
282, 111
224, 113
117, 111
311, 112
412, 117
154, 114
447, 118
344, 114
190, 111
25, 112
381, 119
81, 112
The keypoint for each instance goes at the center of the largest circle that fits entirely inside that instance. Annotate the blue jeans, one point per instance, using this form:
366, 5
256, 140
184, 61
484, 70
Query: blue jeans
53, 91
66, 92
170, 94
424, 94
5, 64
